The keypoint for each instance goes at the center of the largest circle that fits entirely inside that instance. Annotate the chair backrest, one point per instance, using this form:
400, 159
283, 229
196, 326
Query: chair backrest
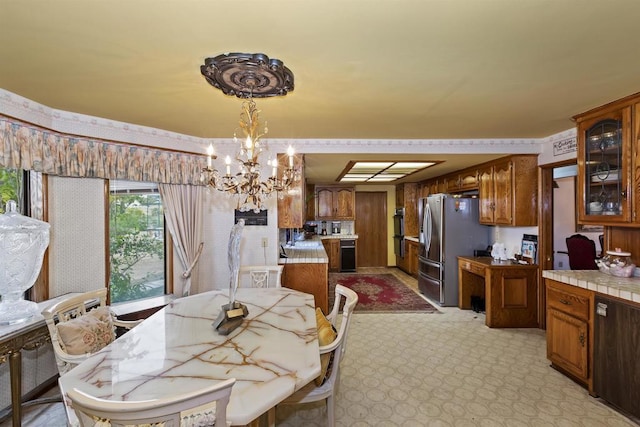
65, 311
170, 411
582, 252
261, 276
348, 299
601, 239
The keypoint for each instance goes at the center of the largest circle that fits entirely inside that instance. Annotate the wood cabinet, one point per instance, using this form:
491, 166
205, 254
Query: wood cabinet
335, 203
332, 248
510, 290
311, 278
606, 163
433, 186
292, 207
310, 202
465, 180
570, 330
412, 255
508, 190
407, 198
409, 263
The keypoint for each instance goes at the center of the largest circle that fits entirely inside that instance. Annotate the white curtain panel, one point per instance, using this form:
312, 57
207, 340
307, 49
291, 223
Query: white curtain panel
183, 206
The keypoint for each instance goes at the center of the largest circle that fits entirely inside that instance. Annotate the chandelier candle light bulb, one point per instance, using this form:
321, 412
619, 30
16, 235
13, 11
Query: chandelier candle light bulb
209, 155
227, 161
290, 154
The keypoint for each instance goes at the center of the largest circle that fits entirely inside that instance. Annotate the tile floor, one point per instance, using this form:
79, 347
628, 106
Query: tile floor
444, 369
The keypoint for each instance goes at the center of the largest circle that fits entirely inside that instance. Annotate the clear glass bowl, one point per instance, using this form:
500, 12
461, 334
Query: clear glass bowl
23, 241
617, 263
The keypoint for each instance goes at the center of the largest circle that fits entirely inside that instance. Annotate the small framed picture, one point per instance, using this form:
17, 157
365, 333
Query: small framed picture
529, 250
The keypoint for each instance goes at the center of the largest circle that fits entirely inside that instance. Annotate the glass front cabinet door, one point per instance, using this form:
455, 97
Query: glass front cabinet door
604, 156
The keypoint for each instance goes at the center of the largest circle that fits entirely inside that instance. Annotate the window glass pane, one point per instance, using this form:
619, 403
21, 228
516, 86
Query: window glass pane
136, 241
11, 188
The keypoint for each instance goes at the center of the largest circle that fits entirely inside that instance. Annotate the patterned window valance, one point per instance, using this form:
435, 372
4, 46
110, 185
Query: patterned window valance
30, 147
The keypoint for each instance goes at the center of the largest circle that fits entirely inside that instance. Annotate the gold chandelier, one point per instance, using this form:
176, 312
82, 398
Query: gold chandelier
247, 76
247, 182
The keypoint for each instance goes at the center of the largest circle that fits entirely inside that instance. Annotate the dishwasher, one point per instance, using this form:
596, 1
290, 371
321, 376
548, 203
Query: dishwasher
616, 366
347, 255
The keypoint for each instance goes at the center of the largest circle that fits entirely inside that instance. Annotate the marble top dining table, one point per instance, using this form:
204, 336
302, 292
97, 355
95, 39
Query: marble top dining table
272, 354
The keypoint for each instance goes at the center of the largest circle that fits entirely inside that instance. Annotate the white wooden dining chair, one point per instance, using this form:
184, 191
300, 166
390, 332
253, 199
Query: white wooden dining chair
329, 384
80, 326
261, 276
204, 407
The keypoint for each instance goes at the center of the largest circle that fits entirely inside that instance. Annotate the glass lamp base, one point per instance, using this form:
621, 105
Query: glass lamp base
18, 311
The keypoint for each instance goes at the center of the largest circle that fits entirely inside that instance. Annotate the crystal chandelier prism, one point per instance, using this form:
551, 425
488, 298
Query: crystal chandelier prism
247, 76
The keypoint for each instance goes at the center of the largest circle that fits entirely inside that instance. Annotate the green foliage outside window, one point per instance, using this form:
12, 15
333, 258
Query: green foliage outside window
10, 187
136, 246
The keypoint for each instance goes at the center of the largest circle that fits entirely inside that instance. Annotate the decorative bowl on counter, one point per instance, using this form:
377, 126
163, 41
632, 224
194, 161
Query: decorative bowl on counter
617, 263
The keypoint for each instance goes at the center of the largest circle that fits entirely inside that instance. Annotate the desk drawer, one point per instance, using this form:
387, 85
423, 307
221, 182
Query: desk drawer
569, 301
473, 268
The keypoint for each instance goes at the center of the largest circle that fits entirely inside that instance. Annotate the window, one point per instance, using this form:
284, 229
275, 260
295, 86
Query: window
11, 188
136, 241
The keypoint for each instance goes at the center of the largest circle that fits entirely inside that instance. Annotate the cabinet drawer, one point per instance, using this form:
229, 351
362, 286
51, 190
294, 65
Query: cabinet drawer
572, 302
473, 268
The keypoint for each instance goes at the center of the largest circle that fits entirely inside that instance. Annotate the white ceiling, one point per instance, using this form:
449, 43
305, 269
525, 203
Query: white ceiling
364, 69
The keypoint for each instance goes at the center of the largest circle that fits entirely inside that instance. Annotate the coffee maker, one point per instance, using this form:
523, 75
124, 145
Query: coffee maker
335, 227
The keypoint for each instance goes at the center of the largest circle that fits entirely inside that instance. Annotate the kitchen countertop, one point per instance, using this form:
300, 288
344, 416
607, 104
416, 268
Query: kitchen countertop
310, 251
627, 288
338, 236
307, 251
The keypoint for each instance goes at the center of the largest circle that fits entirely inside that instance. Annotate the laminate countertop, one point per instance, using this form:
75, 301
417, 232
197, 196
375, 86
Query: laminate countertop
627, 288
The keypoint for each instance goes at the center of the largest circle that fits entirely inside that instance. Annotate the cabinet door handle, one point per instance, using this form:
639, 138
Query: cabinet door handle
581, 338
623, 193
564, 301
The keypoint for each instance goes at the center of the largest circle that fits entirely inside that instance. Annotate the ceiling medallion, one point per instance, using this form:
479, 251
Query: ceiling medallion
248, 75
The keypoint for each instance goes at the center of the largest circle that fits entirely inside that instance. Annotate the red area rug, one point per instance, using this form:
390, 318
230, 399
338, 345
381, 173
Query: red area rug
380, 293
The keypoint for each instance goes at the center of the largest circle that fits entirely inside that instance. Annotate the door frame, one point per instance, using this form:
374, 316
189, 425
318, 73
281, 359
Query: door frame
545, 230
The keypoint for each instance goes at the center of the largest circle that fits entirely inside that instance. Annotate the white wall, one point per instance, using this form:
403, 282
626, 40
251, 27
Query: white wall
213, 270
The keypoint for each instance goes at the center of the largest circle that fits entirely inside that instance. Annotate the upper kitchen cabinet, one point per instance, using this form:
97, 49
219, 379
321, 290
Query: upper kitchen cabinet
407, 198
508, 191
605, 158
465, 180
291, 207
432, 186
335, 202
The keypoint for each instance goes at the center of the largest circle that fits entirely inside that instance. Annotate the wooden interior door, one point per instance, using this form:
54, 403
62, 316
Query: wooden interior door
371, 228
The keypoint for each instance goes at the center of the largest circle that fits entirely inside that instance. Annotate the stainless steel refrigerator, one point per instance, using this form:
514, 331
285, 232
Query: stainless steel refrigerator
449, 228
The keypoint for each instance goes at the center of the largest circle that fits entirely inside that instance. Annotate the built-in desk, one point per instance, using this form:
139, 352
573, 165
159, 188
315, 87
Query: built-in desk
510, 290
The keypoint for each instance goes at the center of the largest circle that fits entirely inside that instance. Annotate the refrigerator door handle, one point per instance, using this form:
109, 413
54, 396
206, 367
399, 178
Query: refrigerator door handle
427, 223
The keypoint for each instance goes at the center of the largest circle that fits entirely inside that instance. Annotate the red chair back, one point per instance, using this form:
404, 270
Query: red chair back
582, 252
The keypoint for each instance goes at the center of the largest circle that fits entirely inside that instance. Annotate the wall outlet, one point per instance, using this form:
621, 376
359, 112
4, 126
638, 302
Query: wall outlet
560, 264
265, 242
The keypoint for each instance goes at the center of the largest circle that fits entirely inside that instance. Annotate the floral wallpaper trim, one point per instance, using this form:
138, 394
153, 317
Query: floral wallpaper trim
30, 147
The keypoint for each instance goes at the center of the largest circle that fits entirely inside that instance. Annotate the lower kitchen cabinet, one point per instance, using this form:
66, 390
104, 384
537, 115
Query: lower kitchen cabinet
412, 255
311, 278
332, 248
570, 330
409, 263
